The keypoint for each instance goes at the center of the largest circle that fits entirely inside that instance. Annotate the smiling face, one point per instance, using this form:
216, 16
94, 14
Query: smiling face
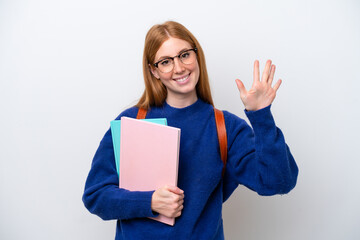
180, 83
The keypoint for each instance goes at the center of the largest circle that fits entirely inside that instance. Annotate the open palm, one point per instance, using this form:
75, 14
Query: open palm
261, 93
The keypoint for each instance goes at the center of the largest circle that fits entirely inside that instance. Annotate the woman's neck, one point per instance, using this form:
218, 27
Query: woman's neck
181, 101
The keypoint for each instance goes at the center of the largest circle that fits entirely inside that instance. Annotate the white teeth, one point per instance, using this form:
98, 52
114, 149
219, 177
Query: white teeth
182, 79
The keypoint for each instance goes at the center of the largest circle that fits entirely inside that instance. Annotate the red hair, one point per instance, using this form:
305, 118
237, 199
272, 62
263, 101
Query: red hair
155, 92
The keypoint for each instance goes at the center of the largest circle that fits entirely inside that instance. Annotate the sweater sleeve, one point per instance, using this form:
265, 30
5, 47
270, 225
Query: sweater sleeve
258, 157
102, 195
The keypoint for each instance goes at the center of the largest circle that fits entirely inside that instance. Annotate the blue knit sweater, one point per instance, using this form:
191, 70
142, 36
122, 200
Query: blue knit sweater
258, 158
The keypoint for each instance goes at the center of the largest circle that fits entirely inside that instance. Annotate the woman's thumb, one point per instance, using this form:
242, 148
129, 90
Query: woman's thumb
241, 87
175, 189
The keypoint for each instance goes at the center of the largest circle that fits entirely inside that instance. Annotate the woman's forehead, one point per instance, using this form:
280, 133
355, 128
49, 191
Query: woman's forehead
172, 47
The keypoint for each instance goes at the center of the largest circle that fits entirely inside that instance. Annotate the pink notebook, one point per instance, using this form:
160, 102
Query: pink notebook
149, 157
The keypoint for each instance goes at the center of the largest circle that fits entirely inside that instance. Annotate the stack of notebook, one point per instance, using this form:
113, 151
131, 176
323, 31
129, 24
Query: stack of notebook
146, 155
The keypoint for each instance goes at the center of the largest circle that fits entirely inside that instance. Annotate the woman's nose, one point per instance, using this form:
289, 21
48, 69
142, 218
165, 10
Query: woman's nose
178, 66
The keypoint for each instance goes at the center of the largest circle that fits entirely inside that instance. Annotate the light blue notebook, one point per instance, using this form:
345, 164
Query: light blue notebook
115, 126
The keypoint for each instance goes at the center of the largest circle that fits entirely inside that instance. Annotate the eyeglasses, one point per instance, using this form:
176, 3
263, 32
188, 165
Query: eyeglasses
166, 65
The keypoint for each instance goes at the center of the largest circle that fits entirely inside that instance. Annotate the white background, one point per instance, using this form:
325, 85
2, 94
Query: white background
69, 67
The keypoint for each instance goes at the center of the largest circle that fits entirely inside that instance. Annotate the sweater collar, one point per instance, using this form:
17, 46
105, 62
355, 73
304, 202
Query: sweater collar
193, 108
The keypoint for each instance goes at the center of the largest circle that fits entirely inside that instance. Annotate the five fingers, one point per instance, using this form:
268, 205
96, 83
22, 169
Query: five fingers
267, 76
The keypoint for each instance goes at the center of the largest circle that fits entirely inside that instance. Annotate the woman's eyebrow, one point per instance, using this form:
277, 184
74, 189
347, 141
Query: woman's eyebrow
164, 57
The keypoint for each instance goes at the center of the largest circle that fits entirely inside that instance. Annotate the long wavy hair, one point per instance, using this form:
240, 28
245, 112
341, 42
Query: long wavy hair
155, 92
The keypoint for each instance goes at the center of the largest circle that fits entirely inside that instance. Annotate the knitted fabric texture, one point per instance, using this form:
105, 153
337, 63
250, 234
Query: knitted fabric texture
258, 158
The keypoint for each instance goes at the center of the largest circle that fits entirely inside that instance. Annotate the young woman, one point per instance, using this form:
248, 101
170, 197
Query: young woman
177, 88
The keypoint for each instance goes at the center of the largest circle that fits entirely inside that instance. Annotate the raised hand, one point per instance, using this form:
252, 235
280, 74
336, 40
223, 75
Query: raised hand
168, 201
261, 93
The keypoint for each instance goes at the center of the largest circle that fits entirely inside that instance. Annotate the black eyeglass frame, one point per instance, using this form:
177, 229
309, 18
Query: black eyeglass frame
177, 56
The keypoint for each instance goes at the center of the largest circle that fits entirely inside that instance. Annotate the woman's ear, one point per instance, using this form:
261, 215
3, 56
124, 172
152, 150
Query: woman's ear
154, 72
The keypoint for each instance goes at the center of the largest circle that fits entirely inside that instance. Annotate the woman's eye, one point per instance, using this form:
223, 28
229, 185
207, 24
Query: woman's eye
165, 62
185, 55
